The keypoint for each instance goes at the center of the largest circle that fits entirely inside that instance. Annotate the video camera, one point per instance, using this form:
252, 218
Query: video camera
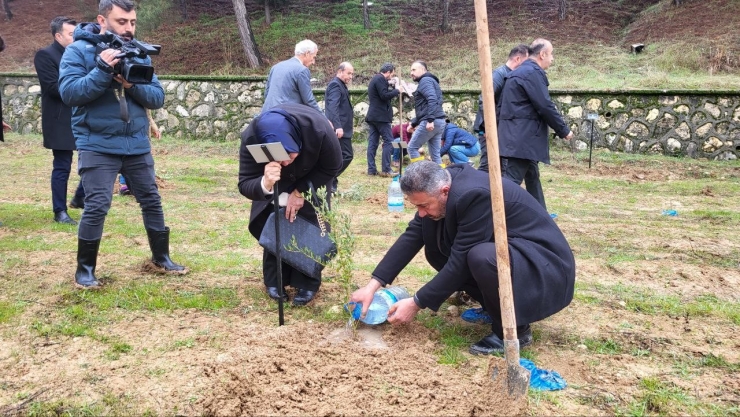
133, 72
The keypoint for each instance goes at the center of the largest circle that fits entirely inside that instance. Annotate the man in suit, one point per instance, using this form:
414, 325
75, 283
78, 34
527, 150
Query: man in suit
379, 118
315, 159
56, 119
340, 113
525, 113
454, 225
517, 55
289, 81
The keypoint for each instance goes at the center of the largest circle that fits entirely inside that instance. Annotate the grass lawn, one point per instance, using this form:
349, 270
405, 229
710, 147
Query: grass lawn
652, 329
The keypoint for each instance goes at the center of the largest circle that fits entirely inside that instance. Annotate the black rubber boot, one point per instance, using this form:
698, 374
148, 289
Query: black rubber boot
87, 258
159, 242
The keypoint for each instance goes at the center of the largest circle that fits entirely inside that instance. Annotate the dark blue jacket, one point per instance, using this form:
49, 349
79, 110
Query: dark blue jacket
379, 95
526, 112
91, 92
455, 136
338, 106
499, 77
543, 268
55, 115
427, 100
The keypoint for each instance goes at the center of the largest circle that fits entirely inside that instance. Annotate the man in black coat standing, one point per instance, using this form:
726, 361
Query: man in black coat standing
340, 113
6, 127
379, 118
312, 145
56, 119
454, 225
524, 115
517, 56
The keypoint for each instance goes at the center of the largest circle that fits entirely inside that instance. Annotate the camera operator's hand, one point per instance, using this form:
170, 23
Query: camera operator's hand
109, 57
126, 84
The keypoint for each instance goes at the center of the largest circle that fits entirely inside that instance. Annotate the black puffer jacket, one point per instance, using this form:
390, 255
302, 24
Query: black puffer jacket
428, 100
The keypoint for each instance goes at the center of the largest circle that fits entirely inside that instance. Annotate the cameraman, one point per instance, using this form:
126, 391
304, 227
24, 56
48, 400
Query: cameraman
110, 125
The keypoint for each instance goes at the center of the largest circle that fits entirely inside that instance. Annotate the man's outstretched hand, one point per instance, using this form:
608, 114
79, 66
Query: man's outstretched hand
403, 311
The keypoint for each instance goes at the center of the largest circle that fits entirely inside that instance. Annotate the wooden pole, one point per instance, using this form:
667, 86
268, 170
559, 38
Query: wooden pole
516, 386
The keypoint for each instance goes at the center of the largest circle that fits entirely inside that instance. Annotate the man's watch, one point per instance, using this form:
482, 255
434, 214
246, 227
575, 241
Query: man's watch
103, 66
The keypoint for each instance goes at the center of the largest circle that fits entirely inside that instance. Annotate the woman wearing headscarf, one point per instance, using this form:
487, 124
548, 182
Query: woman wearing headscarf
315, 159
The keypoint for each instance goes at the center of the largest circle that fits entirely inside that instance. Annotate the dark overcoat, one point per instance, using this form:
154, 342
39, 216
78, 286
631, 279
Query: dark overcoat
542, 263
318, 161
56, 117
338, 107
2, 138
379, 97
2, 131
525, 113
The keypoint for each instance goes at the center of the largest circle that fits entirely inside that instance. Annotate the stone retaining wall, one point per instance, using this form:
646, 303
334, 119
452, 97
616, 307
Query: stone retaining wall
693, 123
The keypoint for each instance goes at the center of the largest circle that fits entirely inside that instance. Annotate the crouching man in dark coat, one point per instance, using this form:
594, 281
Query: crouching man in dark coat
454, 225
315, 159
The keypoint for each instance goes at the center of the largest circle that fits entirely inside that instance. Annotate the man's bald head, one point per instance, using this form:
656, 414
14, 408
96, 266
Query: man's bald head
418, 68
540, 51
345, 72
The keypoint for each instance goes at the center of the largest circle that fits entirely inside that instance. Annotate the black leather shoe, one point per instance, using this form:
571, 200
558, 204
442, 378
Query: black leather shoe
303, 297
493, 344
63, 217
275, 295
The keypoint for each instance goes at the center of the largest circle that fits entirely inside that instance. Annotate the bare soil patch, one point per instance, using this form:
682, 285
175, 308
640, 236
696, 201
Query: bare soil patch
590, 23
629, 323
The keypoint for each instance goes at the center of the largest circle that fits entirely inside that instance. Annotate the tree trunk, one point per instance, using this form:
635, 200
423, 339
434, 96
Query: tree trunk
562, 9
445, 4
268, 18
254, 59
184, 9
366, 15
6, 8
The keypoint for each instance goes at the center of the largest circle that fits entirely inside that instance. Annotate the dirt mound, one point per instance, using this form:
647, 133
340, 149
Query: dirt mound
584, 22
695, 23
29, 31
330, 373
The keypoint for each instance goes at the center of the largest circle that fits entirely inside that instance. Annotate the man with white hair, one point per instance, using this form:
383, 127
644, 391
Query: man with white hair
290, 80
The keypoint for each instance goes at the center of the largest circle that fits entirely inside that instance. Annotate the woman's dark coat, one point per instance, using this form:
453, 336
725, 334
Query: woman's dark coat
318, 161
